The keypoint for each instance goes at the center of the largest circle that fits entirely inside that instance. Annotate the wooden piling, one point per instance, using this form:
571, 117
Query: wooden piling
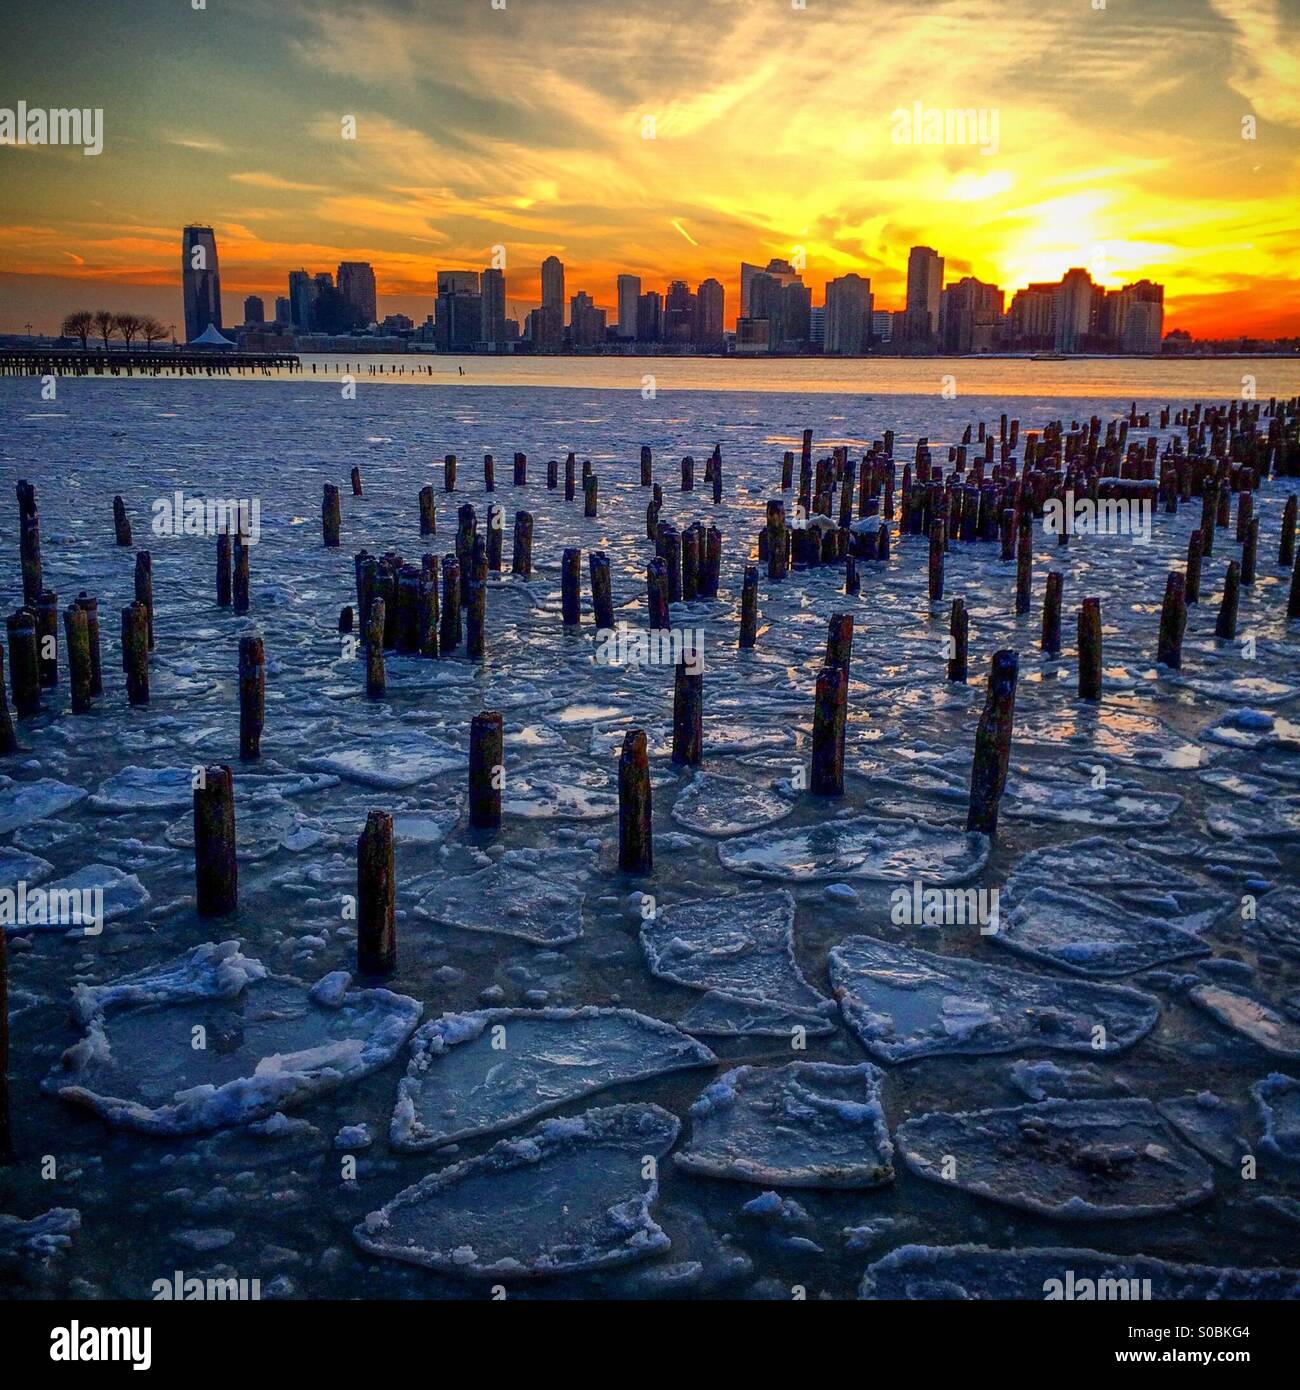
376, 897
29, 542
959, 640
1173, 621
76, 631
852, 581
1192, 574
1090, 649
24, 662
47, 638
993, 744
937, 542
589, 496
839, 641
8, 736
522, 563
1286, 543
449, 473
121, 522
486, 764
829, 719
428, 511
688, 474
570, 478
778, 548
135, 652
1025, 563
647, 472
331, 517
476, 607
635, 844
376, 680
252, 697
489, 473
356, 482
657, 594
571, 586
690, 564
602, 598
241, 581
427, 616
223, 570
450, 633
1226, 626
749, 608
688, 714
521, 470
216, 872
6, 1124
1250, 550
1051, 639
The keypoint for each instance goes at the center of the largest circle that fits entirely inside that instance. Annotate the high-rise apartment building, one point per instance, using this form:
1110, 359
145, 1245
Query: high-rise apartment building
710, 306
679, 313
492, 291
300, 296
649, 317
586, 322
356, 283
924, 288
553, 285
629, 291
254, 309
848, 315
200, 281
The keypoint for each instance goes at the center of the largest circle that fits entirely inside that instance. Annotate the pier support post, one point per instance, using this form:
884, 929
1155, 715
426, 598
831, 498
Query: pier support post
216, 873
635, 846
993, 744
376, 897
486, 764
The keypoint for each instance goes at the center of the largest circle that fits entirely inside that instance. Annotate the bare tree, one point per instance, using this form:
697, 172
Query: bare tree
79, 325
129, 326
105, 325
151, 330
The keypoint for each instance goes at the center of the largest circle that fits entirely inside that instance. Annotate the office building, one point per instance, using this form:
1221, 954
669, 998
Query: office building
254, 309
200, 281
492, 293
629, 292
710, 307
356, 283
848, 315
924, 289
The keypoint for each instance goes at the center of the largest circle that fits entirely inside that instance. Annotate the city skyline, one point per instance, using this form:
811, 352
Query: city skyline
501, 128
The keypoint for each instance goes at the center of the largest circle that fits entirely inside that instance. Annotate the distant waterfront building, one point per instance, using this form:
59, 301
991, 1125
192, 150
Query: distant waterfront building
553, 285
753, 335
1029, 319
924, 291
764, 303
492, 292
629, 292
679, 313
779, 270
200, 281
458, 311
710, 313
546, 328
796, 316
283, 311
300, 296
587, 323
971, 316
356, 283
1074, 307
254, 309
882, 323
817, 327
649, 317
848, 315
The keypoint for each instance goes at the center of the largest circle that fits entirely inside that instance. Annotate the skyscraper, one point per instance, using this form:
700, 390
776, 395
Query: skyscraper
629, 291
781, 271
587, 323
200, 281
679, 313
283, 309
649, 317
356, 283
848, 315
971, 316
492, 289
710, 300
1073, 307
254, 309
458, 311
300, 300
553, 285
924, 288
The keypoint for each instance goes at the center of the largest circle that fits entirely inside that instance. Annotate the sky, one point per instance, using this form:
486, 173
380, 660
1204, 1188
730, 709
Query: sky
663, 138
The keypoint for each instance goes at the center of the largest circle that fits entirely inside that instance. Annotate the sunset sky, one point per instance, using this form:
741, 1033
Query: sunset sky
1119, 146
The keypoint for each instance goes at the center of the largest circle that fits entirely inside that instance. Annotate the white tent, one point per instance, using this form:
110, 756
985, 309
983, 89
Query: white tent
211, 337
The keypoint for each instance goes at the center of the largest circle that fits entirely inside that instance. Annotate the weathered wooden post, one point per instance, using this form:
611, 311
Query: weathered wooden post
993, 744
1051, 640
29, 542
688, 713
1226, 626
852, 580
1025, 562
8, 737
690, 564
602, 598
1250, 549
331, 517
829, 719
1173, 622
1090, 649
408, 609
937, 541
710, 561
216, 872
252, 697
647, 477
749, 608
135, 652
778, 549
570, 477
1286, 544
223, 569
76, 632
688, 474
427, 619
121, 522
346, 617
657, 594
47, 638
670, 548
1209, 511
466, 532
241, 585
1293, 598
1245, 510
571, 586
495, 528
476, 608
24, 662
958, 641
589, 496
356, 482
635, 845
486, 769
376, 681
489, 473
552, 474
449, 473
376, 897
839, 641
522, 563
428, 511
521, 470
449, 636
6, 1126
651, 519
1192, 584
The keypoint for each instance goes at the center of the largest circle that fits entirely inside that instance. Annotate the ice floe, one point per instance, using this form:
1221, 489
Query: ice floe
1251, 1018
1278, 1100
806, 1124
720, 806
477, 1073
269, 1042
514, 897
569, 1195
1073, 1160
903, 1003
24, 802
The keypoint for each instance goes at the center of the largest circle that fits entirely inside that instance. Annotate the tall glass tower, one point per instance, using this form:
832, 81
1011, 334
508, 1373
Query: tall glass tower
201, 281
